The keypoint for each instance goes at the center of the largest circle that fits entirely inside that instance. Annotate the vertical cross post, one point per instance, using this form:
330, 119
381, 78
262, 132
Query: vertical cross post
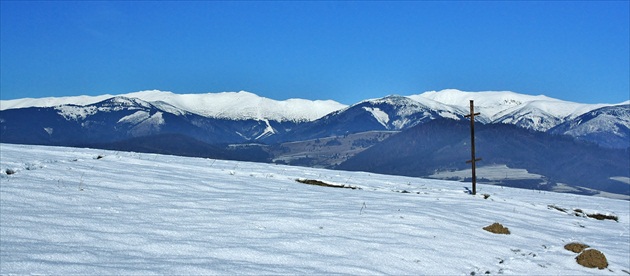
473, 160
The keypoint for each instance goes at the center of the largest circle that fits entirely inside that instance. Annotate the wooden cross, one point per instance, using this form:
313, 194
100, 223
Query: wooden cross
473, 160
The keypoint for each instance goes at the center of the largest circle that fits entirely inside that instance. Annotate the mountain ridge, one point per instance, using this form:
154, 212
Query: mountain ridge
227, 104
268, 119
224, 105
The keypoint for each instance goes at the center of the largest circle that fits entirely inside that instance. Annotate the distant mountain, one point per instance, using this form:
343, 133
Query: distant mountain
122, 118
539, 113
235, 117
228, 105
391, 113
607, 126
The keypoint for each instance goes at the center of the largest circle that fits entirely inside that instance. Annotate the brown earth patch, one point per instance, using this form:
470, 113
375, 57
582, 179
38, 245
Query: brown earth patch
580, 213
576, 247
324, 184
603, 217
497, 228
592, 258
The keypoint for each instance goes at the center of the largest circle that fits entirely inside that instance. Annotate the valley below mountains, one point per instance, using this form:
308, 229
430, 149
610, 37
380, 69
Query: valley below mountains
532, 142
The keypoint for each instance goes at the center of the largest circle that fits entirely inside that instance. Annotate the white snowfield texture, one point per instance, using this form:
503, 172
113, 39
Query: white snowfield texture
82, 211
378, 114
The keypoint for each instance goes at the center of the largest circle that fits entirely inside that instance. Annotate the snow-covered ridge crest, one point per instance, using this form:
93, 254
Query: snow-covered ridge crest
495, 104
396, 112
80, 112
227, 105
532, 112
244, 105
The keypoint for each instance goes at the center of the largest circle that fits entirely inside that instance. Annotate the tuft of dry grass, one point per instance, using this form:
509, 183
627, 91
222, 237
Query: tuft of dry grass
603, 217
576, 247
592, 258
324, 184
497, 228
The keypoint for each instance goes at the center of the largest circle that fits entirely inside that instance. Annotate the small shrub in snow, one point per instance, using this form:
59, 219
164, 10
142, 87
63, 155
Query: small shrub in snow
603, 217
576, 247
497, 228
324, 184
557, 208
580, 213
592, 258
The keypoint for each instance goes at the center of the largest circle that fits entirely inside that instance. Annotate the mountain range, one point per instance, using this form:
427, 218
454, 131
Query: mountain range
373, 135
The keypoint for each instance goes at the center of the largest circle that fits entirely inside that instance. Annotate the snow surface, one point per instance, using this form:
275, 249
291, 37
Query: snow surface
491, 172
135, 118
75, 112
84, 211
378, 114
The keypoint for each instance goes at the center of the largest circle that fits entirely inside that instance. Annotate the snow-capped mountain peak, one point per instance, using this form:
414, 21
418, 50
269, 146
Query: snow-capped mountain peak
396, 112
225, 105
243, 105
76, 112
489, 103
609, 125
539, 112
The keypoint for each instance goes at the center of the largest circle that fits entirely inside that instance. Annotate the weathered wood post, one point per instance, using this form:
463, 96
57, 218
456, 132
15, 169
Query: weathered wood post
473, 160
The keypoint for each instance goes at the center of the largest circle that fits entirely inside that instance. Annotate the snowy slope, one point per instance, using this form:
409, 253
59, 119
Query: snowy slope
83, 211
226, 105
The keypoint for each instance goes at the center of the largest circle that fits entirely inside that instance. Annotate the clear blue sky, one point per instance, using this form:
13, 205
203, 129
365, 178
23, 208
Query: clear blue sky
345, 51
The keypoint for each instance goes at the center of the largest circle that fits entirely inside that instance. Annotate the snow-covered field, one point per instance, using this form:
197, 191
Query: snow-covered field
86, 211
